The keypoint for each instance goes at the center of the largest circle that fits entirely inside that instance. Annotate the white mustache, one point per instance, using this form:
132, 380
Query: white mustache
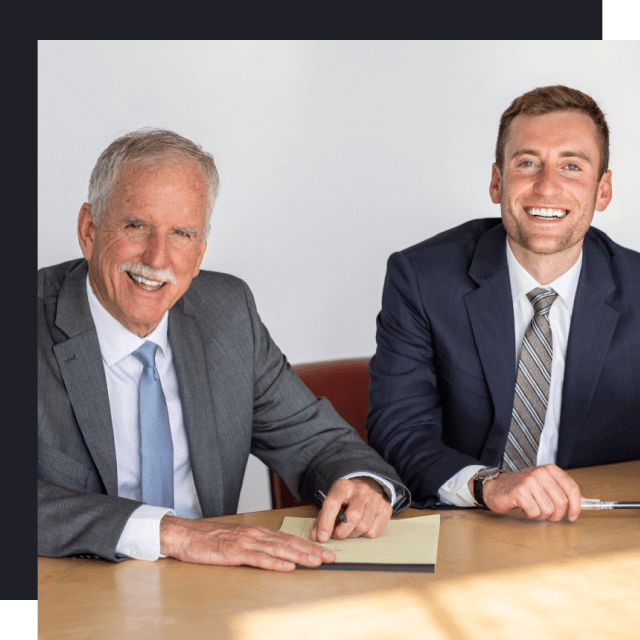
145, 271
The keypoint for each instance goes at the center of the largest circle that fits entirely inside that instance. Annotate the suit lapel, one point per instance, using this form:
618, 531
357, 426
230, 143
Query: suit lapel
593, 323
80, 362
197, 409
490, 310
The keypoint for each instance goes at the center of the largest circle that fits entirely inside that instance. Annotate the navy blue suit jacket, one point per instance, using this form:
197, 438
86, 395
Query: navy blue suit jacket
443, 376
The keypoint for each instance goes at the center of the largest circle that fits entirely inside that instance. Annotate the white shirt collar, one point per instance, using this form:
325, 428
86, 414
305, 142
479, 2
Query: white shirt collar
522, 281
116, 341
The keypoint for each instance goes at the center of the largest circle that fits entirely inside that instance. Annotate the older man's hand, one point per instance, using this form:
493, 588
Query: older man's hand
543, 493
207, 542
364, 503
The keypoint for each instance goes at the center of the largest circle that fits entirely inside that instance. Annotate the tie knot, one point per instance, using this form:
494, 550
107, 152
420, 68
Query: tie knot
146, 354
542, 299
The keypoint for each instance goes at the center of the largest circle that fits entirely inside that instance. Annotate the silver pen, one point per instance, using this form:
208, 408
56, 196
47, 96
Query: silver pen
594, 503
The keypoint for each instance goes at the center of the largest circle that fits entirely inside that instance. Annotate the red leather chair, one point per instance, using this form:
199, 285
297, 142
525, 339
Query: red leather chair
345, 383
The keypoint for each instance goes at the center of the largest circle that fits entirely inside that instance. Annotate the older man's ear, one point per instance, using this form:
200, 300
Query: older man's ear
86, 231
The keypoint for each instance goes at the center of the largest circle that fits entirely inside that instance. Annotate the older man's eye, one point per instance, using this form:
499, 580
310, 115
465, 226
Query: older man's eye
183, 234
136, 229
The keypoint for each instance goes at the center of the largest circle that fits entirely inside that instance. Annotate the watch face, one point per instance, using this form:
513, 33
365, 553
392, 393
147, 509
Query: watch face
487, 473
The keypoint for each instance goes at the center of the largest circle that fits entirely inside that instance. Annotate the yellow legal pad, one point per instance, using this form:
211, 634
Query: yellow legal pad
403, 545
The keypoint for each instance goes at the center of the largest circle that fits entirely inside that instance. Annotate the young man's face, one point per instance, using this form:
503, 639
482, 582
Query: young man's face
548, 188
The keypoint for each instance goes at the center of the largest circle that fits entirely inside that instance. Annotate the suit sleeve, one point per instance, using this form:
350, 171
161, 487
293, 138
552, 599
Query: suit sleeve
76, 517
405, 420
80, 524
299, 436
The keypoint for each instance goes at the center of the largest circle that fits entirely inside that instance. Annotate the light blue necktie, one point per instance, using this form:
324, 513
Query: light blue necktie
156, 446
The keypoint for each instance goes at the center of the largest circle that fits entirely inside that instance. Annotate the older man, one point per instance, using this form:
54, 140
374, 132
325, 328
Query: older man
509, 350
155, 385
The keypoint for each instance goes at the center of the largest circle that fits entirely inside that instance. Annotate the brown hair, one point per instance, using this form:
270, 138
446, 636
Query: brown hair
547, 100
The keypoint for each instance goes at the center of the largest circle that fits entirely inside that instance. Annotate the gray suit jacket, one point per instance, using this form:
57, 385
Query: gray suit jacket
239, 396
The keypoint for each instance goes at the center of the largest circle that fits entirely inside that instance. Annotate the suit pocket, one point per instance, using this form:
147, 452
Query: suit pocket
59, 468
462, 379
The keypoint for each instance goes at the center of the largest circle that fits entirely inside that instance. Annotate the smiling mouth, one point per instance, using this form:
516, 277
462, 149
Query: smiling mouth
145, 283
546, 214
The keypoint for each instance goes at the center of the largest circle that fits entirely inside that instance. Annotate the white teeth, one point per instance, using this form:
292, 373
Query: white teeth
547, 214
149, 283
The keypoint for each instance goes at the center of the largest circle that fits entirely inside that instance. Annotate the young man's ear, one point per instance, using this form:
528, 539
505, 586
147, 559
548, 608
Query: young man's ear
604, 192
495, 186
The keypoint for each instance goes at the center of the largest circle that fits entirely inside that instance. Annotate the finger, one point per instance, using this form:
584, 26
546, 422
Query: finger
355, 512
278, 544
265, 561
548, 495
559, 501
523, 490
371, 509
380, 521
557, 506
309, 548
562, 490
313, 534
575, 504
293, 549
549, 498
571, 490
529, 504
326, 520
362, 527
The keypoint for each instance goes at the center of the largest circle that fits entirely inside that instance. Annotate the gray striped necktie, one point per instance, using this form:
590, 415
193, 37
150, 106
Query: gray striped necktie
532, 386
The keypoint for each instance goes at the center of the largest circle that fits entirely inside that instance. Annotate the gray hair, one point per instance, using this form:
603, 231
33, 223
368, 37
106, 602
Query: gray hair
147, 145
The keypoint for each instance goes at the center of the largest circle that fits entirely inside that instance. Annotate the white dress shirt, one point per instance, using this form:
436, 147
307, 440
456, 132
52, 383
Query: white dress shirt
141, 535
455, 490
140, 538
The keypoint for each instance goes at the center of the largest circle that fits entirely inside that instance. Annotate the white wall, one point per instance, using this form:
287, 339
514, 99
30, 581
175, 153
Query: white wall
332, 155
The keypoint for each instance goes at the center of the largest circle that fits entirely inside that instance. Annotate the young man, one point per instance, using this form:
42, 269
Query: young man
509, 350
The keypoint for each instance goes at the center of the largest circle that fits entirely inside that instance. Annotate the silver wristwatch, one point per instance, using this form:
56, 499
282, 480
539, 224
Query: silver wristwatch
484, 474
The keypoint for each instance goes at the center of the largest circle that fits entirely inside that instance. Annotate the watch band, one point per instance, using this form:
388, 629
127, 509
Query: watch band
478, 484
487, 473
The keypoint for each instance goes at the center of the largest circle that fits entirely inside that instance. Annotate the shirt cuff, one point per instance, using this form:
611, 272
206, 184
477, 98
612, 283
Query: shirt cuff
455, 490
140, 538
385, 484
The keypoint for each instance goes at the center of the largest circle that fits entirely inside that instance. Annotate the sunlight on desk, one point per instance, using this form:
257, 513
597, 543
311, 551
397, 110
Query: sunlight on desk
394, 615
591, 598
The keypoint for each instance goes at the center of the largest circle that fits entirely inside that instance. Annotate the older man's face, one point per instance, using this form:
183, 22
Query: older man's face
149, 245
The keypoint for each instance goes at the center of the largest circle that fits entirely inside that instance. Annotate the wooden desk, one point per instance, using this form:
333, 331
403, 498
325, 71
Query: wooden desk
496, 577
